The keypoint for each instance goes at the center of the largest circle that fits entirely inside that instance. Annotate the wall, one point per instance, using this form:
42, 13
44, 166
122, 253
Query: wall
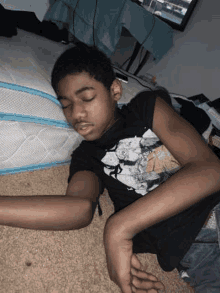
192, 65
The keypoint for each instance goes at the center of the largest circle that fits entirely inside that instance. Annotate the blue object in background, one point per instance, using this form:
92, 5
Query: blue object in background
110, 17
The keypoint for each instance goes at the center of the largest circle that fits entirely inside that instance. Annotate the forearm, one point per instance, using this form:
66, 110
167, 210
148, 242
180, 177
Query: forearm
185, 188
44, 212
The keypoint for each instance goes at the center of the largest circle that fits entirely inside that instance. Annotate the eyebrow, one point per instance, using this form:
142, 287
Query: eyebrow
79, 91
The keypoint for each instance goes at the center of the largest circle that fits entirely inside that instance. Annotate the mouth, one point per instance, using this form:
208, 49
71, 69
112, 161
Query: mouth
83, 128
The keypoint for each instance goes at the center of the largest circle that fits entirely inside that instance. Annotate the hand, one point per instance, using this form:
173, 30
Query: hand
141, 281
124, 268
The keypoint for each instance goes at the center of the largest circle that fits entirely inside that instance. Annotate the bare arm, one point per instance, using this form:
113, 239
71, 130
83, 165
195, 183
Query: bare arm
44, 212
185, 188
198, 178
72, 211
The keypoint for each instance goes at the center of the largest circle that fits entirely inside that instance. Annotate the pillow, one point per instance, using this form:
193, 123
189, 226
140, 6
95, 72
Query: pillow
34, 133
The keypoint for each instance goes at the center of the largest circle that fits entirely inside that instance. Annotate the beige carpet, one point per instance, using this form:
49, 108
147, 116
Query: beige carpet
33, 261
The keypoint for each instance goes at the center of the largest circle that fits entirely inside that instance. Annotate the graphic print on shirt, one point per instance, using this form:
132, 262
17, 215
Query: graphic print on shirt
141, 163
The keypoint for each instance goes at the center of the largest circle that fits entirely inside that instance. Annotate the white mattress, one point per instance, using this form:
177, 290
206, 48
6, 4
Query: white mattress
34, 133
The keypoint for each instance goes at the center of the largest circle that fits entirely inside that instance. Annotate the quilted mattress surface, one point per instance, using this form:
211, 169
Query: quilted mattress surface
34, 133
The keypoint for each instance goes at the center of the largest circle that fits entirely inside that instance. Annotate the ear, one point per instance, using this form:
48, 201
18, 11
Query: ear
116, 90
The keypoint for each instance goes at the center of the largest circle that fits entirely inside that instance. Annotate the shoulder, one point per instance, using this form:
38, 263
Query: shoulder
144, 103
80, 160
178, 135
146, 99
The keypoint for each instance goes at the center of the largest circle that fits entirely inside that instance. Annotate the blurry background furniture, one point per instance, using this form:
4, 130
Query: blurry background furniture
67, 21
84, 20
10, 20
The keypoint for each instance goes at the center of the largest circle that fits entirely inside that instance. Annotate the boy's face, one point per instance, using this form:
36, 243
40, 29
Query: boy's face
87, 104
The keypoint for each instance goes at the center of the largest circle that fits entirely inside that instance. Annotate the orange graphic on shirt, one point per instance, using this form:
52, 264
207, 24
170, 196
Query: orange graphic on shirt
161, 160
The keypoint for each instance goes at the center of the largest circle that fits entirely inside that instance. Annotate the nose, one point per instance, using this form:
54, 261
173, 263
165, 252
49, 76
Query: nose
78, 112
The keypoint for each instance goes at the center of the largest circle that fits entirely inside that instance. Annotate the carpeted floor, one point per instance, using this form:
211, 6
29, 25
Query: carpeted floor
33, 261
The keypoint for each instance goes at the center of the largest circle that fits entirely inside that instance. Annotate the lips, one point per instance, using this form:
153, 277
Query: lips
82, 126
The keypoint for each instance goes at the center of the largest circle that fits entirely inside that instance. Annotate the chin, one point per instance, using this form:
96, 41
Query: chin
90, 137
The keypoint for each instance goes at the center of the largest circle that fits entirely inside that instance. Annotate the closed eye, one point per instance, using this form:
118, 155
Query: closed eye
83, 100
88, 100
65, 107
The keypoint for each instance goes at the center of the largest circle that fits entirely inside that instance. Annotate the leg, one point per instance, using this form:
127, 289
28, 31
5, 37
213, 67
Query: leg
203, 263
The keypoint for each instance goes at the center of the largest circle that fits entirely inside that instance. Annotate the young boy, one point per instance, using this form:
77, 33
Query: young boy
162, 198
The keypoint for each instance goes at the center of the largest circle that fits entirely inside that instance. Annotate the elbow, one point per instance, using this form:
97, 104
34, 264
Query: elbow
209, 172
88, 215
82, 218
80, 225
84, 225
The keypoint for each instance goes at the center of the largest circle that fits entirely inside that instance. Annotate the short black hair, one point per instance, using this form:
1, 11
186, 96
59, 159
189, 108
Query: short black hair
83, 58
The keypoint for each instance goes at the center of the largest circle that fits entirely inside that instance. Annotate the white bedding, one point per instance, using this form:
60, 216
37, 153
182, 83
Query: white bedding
34, 133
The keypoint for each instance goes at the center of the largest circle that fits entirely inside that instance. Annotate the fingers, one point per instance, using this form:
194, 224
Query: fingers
142, 281
145, 282
134, 290
135, 262
143, 275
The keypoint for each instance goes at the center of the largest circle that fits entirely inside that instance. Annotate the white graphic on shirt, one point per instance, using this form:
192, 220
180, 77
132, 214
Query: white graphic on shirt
141, 163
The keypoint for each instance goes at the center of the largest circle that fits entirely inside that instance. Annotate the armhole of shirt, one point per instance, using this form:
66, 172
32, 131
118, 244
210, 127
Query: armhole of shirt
147, 105
100, 210
151, 104
101, 190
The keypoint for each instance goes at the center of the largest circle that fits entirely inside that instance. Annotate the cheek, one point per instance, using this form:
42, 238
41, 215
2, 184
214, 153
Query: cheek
94, 110
67, 114
99, 110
